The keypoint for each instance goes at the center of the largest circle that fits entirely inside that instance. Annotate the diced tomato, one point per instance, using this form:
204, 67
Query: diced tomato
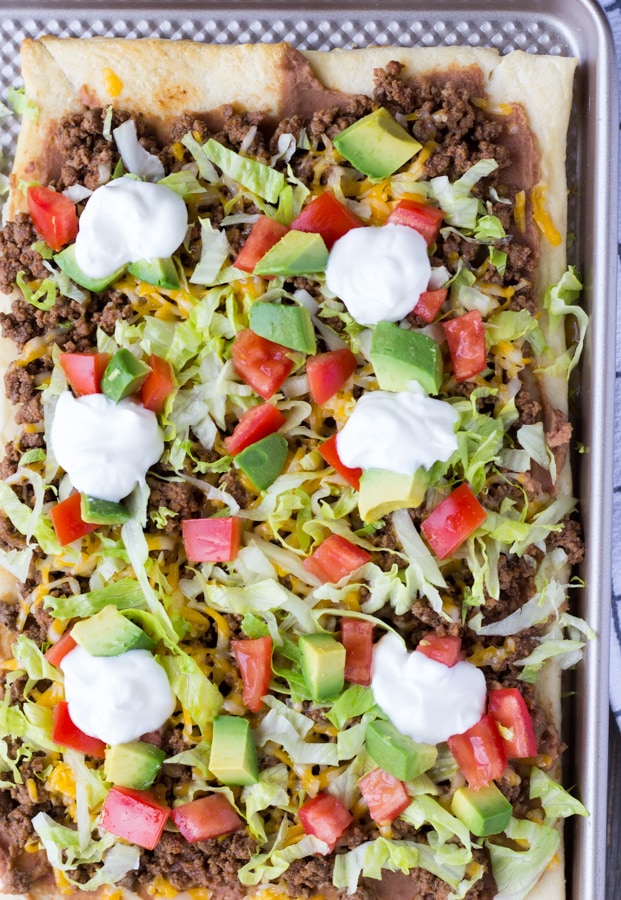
262, 364
264, 234
255, 424
57, 652
254, 660
385, 795
508, 709
429, 304
443, 648
479, 753
84, 371
335, 558
357, 638
67, 734
454, 520
421, 217
212, 540
326, 818
67, 520
330, 453
158, 384
53, 215
206, 818
465, 337
327, 216
135, 816
328, 372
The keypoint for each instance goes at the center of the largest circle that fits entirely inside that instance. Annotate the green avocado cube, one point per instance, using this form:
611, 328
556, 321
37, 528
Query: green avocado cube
382, 492
66, 262
103, 512
133, 765
376, 144
233, 756
397, 753
290, 326
322, 660
263, 461
296, 253
124, 375
400, 356
160, 272
485, 812
110, 633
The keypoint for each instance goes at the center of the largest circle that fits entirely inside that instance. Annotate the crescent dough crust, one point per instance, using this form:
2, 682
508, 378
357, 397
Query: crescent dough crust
161, 79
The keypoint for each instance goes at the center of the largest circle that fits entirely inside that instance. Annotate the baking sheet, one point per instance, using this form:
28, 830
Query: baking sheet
567, 27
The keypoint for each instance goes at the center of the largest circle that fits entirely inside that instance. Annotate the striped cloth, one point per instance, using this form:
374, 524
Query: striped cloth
613, 11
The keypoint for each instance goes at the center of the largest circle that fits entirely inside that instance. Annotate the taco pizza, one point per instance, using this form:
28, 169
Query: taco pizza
287, 522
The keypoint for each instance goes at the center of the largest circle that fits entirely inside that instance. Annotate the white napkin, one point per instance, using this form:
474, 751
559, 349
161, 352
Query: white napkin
613, 11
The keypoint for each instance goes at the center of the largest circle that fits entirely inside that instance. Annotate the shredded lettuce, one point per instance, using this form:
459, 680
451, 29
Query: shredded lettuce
124, 594
517, 871
370, 858
214, 252
199, 696
33, 662
136, 159
281, 728
355, 701
22, 104
255, 176
43, 298
29, 521
270, 792
62, 845
461, 209
559, 301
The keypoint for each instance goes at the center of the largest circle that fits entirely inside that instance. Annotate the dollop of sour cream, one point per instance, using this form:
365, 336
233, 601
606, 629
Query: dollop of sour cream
379, 273
398, 431
126, 220
423, 698
116, 698
105, 448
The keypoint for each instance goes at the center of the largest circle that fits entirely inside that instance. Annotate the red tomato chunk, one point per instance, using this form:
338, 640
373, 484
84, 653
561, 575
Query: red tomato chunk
67, 520
454, 520
327, 216
479, 753
66, 733
328, 372
465, 337
84, 371
385, 795
254, 661
429, 304
330, 453
57, 652
264, 234
212, 540
443, 648
255, 424
508, 709
326, 818
158, 385
357, 638
53, 215
335, 558
420, 216
262, 364
135, 816
206, 818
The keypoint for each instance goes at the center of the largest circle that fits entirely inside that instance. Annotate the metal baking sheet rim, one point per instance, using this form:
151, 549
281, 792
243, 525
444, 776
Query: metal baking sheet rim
582, 26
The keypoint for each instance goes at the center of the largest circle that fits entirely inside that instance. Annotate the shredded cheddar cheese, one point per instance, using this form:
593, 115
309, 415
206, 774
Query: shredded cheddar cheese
112, 83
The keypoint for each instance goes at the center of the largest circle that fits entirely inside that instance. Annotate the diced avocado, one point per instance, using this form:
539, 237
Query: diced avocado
263, 461
123, 376
376, 144
397, 753
110, 633
290, 326
400, 356
159, 272
103, 512
486, 811
134, 765
66, 262
381, 492
233, 757
296, 253
322, 659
